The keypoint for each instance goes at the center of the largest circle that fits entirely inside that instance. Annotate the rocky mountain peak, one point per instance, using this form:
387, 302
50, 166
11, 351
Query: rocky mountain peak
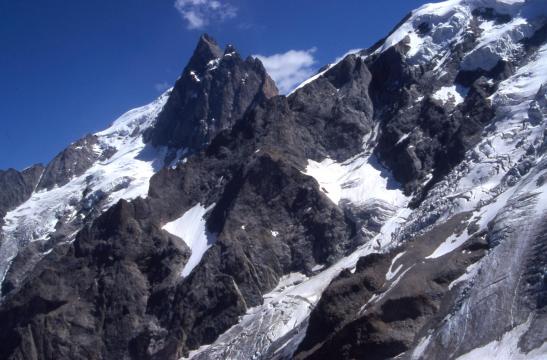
230, 49
206, 50
215, 90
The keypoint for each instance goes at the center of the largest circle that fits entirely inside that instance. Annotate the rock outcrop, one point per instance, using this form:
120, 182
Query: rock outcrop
214, 91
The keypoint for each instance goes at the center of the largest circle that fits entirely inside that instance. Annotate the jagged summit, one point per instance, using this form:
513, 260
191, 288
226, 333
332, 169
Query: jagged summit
230, 49
206, 50
215, 90
95, 172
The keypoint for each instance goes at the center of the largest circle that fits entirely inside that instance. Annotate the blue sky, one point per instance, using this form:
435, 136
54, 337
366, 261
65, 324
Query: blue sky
70, 67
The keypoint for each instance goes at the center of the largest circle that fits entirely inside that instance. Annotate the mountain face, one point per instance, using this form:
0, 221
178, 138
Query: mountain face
393, 205
16, 187
214, 91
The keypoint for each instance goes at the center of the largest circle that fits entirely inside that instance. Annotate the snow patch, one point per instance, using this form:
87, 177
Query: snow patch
507, 347
469, 274
431, 31
403, 138
191, 228
498, 42
360, 179
213, 64
318, 267
526, 82
482, 217
195, 76
446, 22
417, 354
391, 273
454, 94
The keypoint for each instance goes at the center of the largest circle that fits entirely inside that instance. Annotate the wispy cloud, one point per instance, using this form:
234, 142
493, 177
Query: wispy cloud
161, 87
289, 69
349, 52
200, 13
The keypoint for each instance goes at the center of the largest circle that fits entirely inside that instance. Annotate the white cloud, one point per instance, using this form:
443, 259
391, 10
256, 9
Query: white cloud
289, 69
200, 13
161, 87
349, 52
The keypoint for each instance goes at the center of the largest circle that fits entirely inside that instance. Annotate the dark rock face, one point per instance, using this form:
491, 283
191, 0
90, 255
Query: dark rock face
16, 187
72, 162
214, 91
351, 289
338, 108
436, 135
491, 15
400, 311
95, 312
538, 108
257, 162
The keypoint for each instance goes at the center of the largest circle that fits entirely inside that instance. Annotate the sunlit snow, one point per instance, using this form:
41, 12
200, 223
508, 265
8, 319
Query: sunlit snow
507, 347
453, 94
360, 179
190, 227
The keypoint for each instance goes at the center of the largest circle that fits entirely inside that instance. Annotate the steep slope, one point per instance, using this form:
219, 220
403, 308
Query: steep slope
391, 206
256, 162
16, 187
489, 160
493, 200
97, 171
214, 91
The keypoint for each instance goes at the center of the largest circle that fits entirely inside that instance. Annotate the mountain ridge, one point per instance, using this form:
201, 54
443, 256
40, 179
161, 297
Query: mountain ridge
363, 215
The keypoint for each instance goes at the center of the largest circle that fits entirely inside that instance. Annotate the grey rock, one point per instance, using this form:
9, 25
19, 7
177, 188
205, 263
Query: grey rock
17, 186
72, 162
214, 91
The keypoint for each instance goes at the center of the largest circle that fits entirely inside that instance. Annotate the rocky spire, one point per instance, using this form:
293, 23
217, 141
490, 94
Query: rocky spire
206, 50
214, 91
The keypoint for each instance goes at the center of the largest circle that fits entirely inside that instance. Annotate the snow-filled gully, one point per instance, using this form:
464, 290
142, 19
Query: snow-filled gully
191, 228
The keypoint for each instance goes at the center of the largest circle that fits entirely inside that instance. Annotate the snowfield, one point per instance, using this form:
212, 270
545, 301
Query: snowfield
507, 348
454, 94
190, 227
360, 180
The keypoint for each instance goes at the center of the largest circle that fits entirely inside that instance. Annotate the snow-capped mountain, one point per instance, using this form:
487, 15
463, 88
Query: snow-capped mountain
392, 206
119, 166
97, 171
